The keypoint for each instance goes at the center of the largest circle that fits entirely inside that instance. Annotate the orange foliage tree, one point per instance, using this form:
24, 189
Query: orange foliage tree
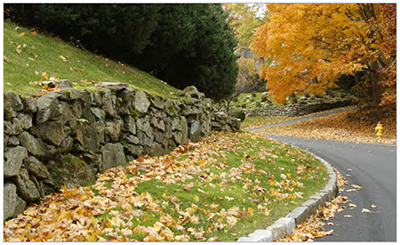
321, 42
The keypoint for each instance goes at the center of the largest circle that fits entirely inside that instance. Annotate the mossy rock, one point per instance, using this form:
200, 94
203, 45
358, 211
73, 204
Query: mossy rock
72, 172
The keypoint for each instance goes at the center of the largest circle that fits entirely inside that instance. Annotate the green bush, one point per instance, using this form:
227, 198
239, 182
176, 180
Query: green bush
265, 98
239, 114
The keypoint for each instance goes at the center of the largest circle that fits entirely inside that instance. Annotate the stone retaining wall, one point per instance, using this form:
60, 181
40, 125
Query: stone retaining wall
296, 110
67, 137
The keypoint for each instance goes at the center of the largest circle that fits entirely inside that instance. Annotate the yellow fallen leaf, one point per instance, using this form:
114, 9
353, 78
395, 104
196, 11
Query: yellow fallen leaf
364, 210
22, 34
373, 206
196, 198
91, 237
352, 205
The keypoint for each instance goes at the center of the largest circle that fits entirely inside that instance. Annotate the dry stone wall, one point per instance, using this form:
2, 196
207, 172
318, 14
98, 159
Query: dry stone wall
67, 137
296, 110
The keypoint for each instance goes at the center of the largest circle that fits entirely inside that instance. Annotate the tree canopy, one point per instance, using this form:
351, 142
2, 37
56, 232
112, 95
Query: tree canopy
193, 44
321, 42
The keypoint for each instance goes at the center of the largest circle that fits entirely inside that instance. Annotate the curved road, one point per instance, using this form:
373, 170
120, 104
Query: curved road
371, 166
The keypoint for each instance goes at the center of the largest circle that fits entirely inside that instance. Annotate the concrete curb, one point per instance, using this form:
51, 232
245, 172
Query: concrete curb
300, 214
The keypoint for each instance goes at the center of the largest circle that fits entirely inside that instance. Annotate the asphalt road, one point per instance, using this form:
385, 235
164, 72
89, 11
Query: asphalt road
371, 166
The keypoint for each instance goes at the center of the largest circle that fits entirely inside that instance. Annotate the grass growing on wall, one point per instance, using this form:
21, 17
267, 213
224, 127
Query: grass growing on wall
31, 57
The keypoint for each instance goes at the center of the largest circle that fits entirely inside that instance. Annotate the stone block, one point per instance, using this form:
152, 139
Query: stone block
48, 107
9, 200
289, 223
36, 167
53, 131
113, 155
26, 187
15, 157
312, 205
261, 236
279, 230
34, 145
299, 214
141, 102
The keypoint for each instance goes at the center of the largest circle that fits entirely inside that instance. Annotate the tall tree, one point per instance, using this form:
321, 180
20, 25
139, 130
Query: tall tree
193, 45
320, 42
387, 24
245, 18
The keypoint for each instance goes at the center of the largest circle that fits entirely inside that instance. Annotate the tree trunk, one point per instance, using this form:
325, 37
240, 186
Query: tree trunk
376, 88
358, 84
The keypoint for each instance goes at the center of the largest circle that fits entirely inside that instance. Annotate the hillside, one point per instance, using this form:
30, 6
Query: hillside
31, 57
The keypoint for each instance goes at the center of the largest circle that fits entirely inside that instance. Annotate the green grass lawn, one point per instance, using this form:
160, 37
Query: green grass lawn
32, 57
254, 122
219, 189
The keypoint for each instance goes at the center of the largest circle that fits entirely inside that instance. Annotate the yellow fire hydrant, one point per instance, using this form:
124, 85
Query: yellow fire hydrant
378, 128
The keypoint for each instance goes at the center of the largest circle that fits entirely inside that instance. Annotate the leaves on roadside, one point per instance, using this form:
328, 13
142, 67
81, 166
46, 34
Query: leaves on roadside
336, 127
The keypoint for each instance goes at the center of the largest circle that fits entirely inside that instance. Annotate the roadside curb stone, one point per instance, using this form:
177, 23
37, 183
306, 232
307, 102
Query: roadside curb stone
300, 214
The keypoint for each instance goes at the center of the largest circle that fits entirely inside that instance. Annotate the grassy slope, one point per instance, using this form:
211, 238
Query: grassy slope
42, 55
224, 186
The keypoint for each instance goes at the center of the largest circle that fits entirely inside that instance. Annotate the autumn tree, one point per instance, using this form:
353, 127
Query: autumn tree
388, 28
244, 19
321, 42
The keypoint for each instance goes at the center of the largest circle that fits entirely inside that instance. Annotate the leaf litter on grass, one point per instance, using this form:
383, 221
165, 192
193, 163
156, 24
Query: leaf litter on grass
337, 127
217, 189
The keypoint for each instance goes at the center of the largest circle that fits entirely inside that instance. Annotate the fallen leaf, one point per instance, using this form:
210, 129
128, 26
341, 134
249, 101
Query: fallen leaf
348, 216
229, 198
373, 206
352, 205
364, 210
22, 34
